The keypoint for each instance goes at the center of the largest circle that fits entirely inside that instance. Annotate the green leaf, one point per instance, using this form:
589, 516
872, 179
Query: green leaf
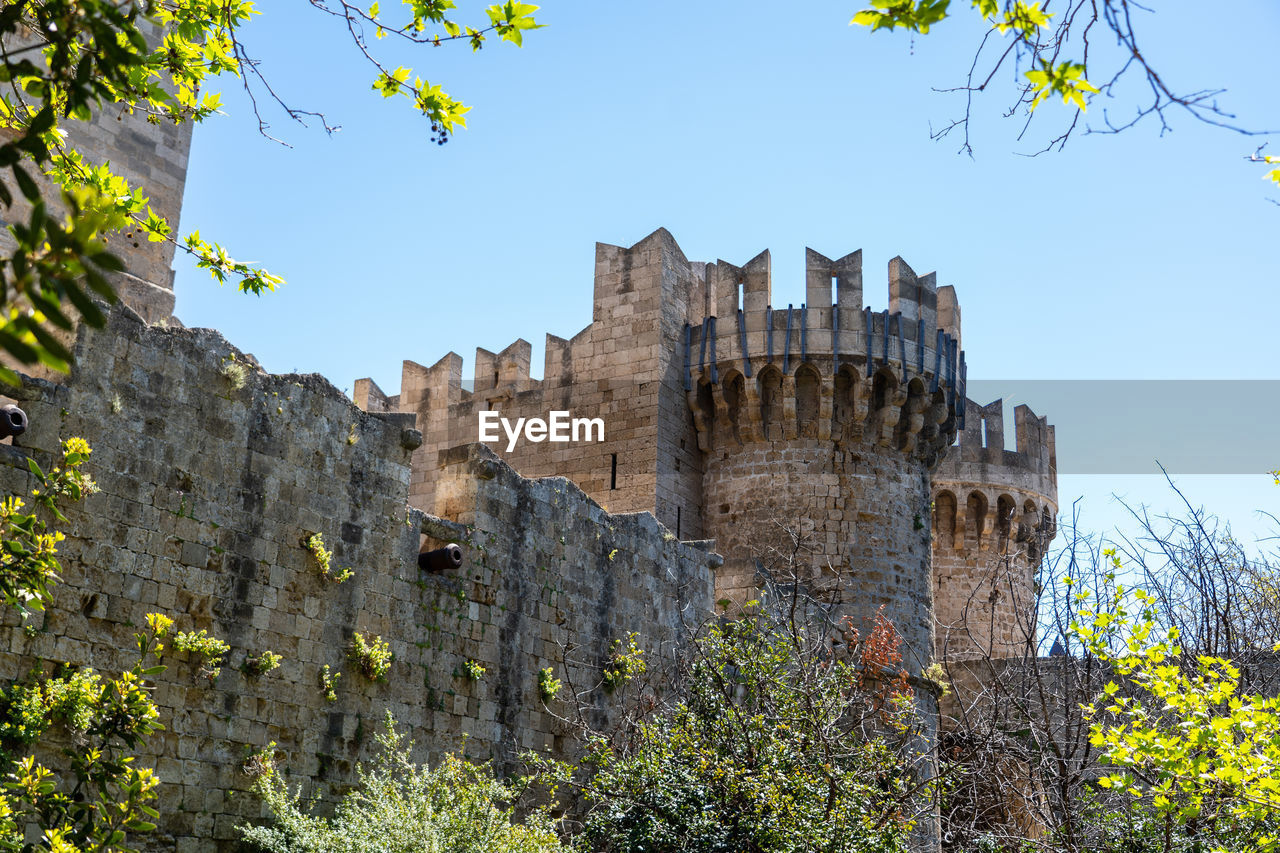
25, 184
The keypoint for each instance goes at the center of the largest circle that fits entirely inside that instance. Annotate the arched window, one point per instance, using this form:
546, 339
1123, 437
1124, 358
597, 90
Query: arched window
771, 402
1005, 507
944, 519
975, 519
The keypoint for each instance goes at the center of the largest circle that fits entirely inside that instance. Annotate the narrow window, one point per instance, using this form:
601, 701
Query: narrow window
613, 473
835, 289
677, 522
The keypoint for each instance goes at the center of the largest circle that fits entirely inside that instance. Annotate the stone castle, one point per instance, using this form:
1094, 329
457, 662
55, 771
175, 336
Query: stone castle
832, 444
819, 438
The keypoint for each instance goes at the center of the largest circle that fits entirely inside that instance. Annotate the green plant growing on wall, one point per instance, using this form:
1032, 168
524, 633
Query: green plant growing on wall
257, 665
99, 795
329, 684
472, 670
323, 559
626, 661
937, 673
235, 372
371, 655
201, 645
548, 685
456, 806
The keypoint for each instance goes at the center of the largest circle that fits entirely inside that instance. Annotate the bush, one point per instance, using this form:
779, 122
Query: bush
397, 805
774, 743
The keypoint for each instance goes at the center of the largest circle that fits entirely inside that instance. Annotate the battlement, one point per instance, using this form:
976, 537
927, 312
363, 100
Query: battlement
833, 298
896, 375
981, 454
980, 475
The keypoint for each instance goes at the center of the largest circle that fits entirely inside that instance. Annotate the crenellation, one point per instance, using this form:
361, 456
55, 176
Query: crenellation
949, 312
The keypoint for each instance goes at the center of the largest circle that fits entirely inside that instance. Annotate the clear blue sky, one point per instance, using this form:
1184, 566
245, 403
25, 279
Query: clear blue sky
743, 126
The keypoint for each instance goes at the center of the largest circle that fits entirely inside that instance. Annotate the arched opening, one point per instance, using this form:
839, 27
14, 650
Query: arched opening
770, 383
914, 413
808, 389
944, 519
1005, 507
975, 519
735, 395
881, 390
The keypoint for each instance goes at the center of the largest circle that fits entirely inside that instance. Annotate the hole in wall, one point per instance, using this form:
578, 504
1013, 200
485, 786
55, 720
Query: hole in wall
613, 472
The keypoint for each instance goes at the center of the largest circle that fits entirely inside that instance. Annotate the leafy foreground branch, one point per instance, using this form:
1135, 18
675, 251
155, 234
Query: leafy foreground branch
1183, 744
67, 61
1083, 51
85, 791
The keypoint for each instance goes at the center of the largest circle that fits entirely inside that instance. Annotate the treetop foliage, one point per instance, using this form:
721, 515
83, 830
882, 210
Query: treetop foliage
71, 60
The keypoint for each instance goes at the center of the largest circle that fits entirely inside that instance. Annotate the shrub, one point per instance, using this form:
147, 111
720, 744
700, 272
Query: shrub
772, 741
457, 807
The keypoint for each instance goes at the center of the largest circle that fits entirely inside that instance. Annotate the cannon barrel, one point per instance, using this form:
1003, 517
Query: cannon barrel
13, 421
441, 559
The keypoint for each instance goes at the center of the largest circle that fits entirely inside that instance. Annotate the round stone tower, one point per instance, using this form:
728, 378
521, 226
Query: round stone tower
994, 514
819, 426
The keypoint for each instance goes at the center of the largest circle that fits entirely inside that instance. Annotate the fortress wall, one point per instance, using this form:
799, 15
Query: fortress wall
208, 491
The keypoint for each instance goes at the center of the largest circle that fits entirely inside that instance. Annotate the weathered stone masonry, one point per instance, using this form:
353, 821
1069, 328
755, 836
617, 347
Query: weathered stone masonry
995, 513
209, 488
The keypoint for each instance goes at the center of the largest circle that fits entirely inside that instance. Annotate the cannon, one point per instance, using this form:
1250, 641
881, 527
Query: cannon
441, 559
13, 421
